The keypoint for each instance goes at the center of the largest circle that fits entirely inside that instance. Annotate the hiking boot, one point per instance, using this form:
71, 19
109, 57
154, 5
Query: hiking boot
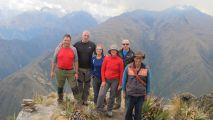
85, 103
60, 101
60, 98
109, 113
100, 113
116, 106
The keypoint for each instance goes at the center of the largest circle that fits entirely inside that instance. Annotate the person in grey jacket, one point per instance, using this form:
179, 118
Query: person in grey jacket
136, 86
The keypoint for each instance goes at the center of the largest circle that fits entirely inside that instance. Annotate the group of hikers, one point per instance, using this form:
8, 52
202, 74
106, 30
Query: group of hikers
120, 70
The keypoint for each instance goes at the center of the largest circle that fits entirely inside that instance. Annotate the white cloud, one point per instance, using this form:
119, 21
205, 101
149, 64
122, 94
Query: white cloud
104, 7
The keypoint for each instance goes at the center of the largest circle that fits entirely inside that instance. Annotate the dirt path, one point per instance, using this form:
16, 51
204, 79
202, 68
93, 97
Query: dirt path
117, 115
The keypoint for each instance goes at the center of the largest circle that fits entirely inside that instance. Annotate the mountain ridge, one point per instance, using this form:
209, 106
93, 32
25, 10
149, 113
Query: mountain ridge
29, 81
36, 37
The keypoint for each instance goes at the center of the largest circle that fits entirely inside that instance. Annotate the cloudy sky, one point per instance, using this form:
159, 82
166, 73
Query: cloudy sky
104, 7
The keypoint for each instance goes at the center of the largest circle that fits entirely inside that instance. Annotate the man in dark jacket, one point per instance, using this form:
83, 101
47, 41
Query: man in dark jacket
126, 55
85, 49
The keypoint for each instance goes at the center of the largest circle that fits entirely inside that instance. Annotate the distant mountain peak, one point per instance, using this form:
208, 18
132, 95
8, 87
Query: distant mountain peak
56, 11
81, 12
183, 7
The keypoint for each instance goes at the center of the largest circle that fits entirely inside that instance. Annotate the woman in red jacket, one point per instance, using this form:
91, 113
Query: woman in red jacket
111, 74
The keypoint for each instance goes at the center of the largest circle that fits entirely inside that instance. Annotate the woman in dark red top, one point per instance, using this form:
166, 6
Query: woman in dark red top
111, 74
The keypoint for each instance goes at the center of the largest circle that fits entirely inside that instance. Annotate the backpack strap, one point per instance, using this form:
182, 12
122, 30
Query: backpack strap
137, 77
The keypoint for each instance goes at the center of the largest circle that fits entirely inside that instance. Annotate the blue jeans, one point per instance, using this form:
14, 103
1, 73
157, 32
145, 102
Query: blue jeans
134, 102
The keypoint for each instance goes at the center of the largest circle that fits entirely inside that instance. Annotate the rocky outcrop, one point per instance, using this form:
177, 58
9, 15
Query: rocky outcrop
42, 113
47, 108
28, 105
204, 102
184, 106
44, 108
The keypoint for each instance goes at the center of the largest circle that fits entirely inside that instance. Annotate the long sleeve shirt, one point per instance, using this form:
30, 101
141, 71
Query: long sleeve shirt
112, 68
96, 66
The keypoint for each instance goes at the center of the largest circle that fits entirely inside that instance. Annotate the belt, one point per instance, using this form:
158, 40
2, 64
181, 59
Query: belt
64, 69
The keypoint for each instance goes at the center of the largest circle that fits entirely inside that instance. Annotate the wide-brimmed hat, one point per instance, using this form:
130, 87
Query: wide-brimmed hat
113, 47
139, 54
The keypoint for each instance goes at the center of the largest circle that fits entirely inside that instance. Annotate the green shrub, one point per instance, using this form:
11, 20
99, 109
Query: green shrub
183, 110
153, 109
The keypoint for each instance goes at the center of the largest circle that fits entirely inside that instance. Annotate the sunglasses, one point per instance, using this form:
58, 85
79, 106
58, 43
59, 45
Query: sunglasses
138, 58
125, 44
98, 49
